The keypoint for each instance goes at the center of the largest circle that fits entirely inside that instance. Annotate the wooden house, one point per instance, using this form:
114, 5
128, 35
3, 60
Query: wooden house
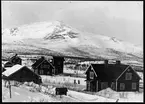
13, 61
16, 60
58, 63
22, 74
117, 76
43, 67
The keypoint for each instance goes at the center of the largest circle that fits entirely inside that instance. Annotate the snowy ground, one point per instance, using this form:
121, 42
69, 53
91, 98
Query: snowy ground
63, 79
22, 94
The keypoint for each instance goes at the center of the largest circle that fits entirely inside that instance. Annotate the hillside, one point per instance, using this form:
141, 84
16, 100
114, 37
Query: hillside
56, 38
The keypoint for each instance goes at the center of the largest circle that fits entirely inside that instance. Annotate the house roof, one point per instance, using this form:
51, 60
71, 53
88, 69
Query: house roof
8, 62
2, 65
58, 57
14, 69
112, 71
39, 61
17, 57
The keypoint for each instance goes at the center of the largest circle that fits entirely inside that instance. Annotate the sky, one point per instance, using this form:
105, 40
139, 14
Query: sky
120, 19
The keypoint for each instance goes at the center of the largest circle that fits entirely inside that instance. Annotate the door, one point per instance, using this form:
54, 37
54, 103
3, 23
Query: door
96, 86
88, 86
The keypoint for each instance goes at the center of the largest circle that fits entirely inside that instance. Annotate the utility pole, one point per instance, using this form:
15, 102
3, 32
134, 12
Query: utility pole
10, 89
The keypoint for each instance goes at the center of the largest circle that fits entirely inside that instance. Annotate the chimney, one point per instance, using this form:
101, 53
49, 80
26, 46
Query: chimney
118, 62
42, 57
106, 63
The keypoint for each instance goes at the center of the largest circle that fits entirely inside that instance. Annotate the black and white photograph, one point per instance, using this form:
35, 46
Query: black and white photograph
72, 51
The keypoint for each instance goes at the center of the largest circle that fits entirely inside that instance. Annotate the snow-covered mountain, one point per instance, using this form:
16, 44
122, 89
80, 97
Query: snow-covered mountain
58, 38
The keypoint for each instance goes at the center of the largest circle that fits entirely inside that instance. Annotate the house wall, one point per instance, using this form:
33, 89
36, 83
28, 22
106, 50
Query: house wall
8, 64
128, 86
93, 85
128, 83
58, 63
46, 67
16, 60
25, 75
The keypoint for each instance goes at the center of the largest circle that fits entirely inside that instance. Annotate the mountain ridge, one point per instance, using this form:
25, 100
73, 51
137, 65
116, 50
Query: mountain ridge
61, 38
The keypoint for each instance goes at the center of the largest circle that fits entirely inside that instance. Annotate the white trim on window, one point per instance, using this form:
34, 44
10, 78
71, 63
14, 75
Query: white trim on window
128, 76
91, 74
122, 86
134, 85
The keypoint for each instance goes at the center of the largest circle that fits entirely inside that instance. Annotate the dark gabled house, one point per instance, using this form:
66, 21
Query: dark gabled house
22, 74
43, 67
58, 63
117, 76
13, 61
16, 60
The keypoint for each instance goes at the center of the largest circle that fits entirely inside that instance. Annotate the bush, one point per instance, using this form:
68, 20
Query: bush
26, 83
38, 88
32, 90
43, 89
123, 95
31, 83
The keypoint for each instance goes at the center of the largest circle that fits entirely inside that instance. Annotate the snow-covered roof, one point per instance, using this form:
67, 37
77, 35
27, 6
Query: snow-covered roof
2, 65
4, 62
7, 68
12, 69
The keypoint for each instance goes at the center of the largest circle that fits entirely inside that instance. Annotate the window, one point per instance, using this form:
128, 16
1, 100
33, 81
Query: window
128, 76
113, 85
78, 81
48, 72
91, 75
134, 86
45, 66
122, 86
88, 86
36, 71
74, 81
41, 71
104, 85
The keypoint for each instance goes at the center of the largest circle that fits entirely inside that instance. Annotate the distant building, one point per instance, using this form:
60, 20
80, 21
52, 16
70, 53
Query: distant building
58, 63
13, 61
16, 60
22, 74
117, 76
43, 67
